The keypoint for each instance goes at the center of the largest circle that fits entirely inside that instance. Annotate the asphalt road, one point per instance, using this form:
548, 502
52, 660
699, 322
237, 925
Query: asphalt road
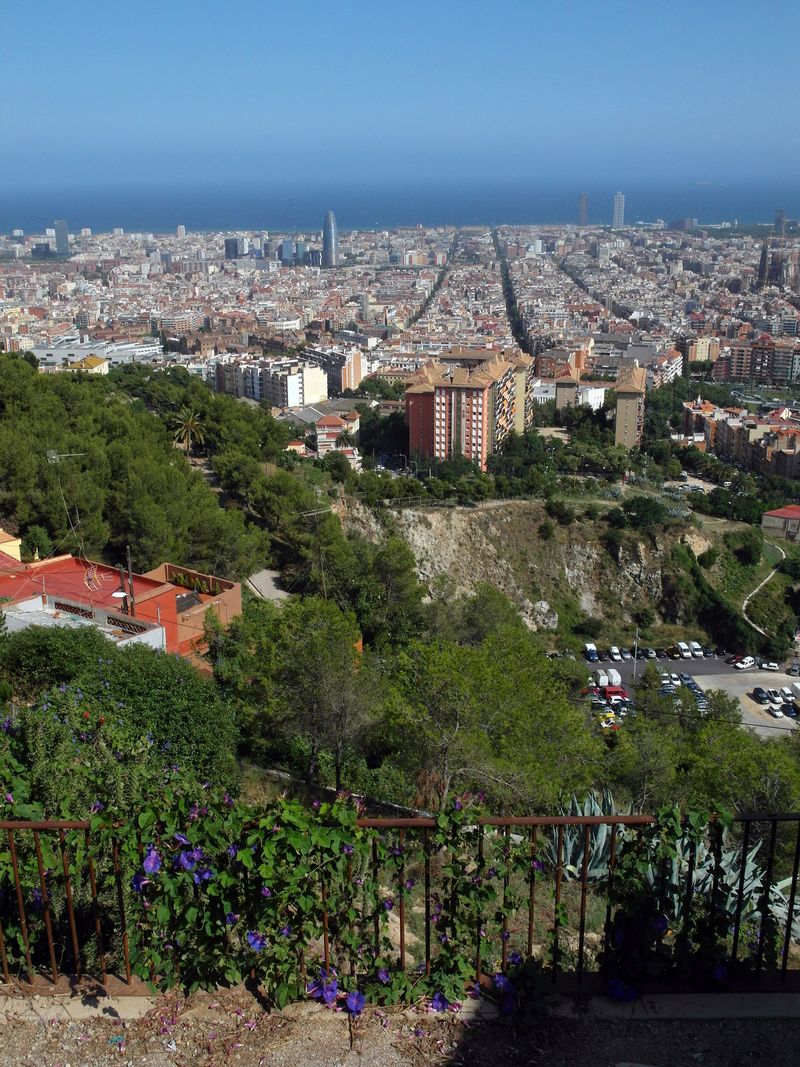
717, 674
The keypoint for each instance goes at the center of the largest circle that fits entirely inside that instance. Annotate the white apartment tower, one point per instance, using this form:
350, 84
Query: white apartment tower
619, 211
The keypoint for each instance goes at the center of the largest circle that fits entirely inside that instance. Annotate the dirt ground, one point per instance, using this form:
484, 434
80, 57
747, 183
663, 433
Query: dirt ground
204, 1032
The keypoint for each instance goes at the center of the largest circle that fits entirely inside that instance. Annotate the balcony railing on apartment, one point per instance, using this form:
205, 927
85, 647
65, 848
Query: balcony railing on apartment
65, 900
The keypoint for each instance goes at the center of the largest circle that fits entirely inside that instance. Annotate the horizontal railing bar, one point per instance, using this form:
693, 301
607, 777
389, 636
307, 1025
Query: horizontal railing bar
427, 823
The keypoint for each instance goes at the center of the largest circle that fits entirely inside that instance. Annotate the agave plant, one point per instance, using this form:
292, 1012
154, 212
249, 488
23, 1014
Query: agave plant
574, 838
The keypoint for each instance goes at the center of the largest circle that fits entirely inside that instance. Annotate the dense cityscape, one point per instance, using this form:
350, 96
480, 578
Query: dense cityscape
400, 535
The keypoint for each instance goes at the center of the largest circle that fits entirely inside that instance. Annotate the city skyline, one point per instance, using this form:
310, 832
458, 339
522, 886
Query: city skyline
623, 124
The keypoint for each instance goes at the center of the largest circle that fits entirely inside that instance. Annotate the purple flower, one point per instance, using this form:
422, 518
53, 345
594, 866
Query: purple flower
397, 850
7, 726
439, 1002
502, 984
266, 891
330, 991
355, 1003
347, 850
138, 882
232, 851
227, 800
202, 874
384, 976
492, 872
410, 883
285, 931
96, 807
231, 918
184, 861
256, 941
388, 903
660, 923
508, 1004
457, 804
515, 959
505, 935
9, 798
537, 865
315, 804
152, 861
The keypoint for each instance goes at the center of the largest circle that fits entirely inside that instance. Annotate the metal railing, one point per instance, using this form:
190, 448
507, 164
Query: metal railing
557, 906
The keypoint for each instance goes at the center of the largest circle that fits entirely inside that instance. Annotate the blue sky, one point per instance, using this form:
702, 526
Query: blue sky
446, 92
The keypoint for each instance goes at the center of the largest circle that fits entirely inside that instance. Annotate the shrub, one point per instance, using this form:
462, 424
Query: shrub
708, 558
546, 530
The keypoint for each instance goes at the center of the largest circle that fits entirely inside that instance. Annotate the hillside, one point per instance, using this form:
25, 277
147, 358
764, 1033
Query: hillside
552, 581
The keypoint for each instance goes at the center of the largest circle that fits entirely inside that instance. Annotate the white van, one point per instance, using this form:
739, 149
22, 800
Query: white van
601, 678
683, 648
745, 664
795, 688
696, 649
614, 677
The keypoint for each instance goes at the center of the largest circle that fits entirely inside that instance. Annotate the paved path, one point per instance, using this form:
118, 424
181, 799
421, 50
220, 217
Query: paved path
760, 586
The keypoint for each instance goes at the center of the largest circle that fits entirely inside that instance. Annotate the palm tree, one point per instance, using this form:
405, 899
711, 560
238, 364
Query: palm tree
345, 439
188, 430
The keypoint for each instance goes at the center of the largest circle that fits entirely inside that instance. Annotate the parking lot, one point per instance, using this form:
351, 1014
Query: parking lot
717, 674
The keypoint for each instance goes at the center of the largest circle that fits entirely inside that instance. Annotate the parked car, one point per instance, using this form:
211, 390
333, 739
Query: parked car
733, 659
590, 652
744, 663
769, 665
786, 692
708, 652
674, 652
696, 649
775, 697
776, 711
686, 679
674, 680
602, 655
790, 710
684, 650
650, 653
760, 695
640, 653
615, 653
625, 653
662, 653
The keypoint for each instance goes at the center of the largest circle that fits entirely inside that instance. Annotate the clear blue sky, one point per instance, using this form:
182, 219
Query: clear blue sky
169, 92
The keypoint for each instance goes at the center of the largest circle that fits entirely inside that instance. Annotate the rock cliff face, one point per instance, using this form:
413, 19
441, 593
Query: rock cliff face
500, 543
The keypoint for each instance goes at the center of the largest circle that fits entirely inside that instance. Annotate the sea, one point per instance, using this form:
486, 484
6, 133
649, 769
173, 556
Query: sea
300, 207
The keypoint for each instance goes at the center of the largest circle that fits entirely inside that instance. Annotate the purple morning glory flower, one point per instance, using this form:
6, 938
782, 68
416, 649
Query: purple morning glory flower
96, 807
457, 804
9, 798
515, 959
152, 861
227, 800
439, 1002
7, 724
182, 839
231, 918
256, 941
266, 891
355, 1003
202, 874
505, 935
330, 991
285, 931
537, 865
409, 883
384, 976
388, 903
347, 850
232, 851
138, 882
502, 984
184, 861
315, 804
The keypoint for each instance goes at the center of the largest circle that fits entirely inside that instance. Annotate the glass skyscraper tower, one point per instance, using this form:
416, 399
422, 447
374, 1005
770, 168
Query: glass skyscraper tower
330, 241
619, 211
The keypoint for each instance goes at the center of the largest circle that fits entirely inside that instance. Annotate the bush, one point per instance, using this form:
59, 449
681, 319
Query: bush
546, 530
561, 512
590, 627
708, 558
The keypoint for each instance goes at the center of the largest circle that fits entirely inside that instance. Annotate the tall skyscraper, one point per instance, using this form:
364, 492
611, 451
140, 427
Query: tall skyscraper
62, 237
583, 210
330, 241
619, 211
180, 231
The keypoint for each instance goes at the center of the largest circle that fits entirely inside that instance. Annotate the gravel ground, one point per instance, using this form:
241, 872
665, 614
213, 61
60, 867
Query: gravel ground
203, 1032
